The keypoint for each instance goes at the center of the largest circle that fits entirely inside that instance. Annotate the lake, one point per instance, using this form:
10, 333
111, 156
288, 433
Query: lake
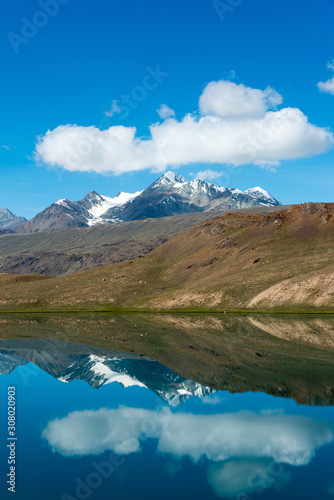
254, 420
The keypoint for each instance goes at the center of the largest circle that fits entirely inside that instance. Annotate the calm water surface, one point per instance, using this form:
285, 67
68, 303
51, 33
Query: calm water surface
104, 425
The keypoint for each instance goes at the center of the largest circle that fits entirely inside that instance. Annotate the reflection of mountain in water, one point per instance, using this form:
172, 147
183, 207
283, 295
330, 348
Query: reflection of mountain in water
66, 362
8, 362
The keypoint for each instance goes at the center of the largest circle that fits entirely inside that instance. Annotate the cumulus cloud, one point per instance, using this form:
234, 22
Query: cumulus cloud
237, 126
165, 112
213, 399
115, 109
328, 86
229, 100
283, 438
208, 175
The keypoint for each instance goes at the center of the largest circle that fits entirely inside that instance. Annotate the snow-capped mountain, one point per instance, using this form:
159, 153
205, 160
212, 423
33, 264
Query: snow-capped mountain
98, 367
171, 194
9, 220
98, 205
263, 196
66, 214
170, 178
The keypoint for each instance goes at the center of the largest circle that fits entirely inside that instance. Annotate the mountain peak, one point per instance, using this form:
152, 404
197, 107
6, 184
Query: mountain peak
92, 194
5, 211
262, 194
8, 220
171, 178
62, 202
257, 189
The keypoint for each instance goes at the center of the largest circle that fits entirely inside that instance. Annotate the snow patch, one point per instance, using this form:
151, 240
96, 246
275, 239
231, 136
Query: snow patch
258, 192
184, 392
171, 178
105, 203
62, 202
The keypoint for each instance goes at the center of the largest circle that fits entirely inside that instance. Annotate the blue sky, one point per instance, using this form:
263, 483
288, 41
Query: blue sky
89, 54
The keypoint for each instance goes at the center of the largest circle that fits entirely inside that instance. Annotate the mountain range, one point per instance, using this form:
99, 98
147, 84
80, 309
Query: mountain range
171, 194
66, 361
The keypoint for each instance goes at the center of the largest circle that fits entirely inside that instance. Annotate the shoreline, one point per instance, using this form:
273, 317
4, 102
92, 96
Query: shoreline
231, 312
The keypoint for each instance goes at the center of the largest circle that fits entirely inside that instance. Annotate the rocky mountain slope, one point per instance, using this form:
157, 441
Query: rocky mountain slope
229, 262
171, 194
65, 214
9, 220
64, 252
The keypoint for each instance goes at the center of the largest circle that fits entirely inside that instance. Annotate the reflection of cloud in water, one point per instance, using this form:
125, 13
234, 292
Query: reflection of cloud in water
283, 438
213, 399
245, 476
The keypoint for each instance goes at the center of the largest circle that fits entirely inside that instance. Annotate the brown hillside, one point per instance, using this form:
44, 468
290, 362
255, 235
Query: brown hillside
56, 253
234, 261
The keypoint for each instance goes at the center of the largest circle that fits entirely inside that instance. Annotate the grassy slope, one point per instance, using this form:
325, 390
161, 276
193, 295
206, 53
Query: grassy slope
221, 263
64, 252
221, 351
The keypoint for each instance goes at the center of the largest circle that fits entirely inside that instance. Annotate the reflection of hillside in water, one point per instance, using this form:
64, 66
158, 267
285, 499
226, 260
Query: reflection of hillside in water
289, 356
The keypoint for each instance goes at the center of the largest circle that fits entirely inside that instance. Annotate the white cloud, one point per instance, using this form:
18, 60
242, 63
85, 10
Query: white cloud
229, 100
330, 65
238, 130
115, 109
6, 147
212, 399
208, 175
283, 438
328, 86
165, 112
